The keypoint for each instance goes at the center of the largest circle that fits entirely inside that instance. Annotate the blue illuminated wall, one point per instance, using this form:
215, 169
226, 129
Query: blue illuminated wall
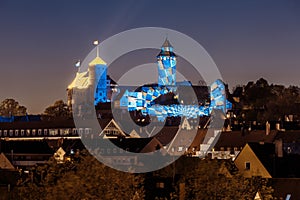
166, 60
144, 101
101, 89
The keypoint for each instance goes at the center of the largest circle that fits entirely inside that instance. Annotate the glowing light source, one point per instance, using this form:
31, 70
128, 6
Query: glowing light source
78, 63
95, 42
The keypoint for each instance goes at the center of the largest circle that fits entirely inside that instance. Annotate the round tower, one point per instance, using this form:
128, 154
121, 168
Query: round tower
166, 60
98, 80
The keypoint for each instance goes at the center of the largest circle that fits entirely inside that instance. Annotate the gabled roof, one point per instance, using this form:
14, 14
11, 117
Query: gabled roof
265, 152
97, 61
261, 157
112, 126
289, 136
135, 145
258, 196
80, 81
134, 134
239, 139
166, 135
5, 163
152, 146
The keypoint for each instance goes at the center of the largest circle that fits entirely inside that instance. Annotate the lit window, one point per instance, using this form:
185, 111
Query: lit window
160, 185
5, 133
74, 131
11, 132
16, 132
22, 132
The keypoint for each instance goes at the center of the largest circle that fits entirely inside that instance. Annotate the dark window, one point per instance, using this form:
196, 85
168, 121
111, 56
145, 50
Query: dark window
247, 166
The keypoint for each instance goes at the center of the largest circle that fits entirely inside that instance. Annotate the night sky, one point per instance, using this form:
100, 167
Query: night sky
41, 40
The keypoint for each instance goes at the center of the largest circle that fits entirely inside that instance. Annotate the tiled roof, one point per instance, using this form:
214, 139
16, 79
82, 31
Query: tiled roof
26, 147
289, 136
238, 139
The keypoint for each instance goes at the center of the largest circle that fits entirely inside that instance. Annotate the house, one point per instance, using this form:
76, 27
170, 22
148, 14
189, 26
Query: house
230, 143
24, 154
59, 155
256, 159
290, 141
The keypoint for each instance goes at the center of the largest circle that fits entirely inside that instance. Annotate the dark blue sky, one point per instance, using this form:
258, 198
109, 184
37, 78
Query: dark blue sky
40, 40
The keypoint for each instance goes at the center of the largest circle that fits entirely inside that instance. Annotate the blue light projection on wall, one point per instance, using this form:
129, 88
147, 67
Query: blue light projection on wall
101, 89
144, 101
166, 60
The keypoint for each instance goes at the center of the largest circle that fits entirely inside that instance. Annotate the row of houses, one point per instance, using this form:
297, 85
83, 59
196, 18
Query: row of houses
269, 154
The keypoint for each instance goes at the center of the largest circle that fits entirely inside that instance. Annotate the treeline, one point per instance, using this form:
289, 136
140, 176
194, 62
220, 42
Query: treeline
83, 177
260, 101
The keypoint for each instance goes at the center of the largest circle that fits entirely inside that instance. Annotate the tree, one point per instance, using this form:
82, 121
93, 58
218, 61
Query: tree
82, 178
213, 179
59, 110
10, 107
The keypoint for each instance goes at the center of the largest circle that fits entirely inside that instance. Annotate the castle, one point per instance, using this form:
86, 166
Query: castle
95, 85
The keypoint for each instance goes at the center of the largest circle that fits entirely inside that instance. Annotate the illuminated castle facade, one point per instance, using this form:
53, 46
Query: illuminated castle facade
94, 85
166, 60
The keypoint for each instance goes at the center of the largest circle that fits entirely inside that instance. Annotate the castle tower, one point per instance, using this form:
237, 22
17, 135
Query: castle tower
166, 60
97, 80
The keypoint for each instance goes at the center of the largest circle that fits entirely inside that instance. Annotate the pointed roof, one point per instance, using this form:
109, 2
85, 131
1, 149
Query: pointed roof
166, 49
80, 81
115, 128
261, 158
258, 196
97, 61
134, 134
166, 43
5, 163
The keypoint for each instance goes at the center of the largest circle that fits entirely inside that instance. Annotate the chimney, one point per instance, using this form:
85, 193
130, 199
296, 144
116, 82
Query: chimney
277, 127
278, 148
267, 128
